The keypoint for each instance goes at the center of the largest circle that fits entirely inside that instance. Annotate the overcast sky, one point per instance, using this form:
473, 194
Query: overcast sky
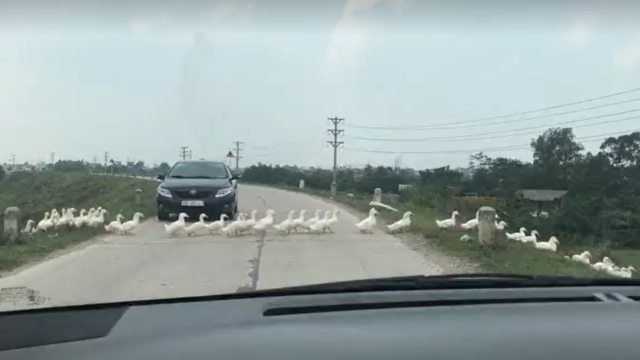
141, 78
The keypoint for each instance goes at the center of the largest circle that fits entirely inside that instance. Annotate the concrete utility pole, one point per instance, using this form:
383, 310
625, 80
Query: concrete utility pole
106, 159
237, 155
335, 144
184, 152
53, 158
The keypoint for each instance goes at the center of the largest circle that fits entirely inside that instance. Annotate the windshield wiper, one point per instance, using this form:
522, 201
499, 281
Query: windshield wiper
457, 281
176, 177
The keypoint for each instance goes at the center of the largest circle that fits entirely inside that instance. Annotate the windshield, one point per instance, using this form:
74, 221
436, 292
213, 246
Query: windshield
201, 170
366, 139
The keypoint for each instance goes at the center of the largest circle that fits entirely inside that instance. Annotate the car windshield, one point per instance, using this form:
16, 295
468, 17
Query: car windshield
200, 170
169, 149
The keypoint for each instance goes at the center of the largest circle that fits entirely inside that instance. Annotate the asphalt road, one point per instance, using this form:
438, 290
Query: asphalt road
150, 264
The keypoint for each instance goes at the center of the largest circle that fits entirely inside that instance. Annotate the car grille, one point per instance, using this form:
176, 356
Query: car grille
186, 194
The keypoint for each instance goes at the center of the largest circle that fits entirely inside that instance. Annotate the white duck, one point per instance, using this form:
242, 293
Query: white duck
517, 235
286, 225
55, 217
621, 271
298, 223
321, 226
116, 225
549, 245
29, 227
333, 220
87, 218
98, 219
217, 225
533, 238
129, 226
235, 227
199, 226
248, 223
312, 220
401, 224
366, 226
501, 225
447, 223
177, 226
264, 223
471, 223
79, 220
45, 224
584, 257
66, 218
604, 265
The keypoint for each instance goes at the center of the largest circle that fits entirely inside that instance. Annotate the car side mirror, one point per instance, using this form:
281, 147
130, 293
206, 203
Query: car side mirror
235, 177
161, 176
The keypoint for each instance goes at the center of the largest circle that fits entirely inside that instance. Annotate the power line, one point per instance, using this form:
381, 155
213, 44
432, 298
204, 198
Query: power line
335, 144
487, 149
508, 132
476, 122
237, 154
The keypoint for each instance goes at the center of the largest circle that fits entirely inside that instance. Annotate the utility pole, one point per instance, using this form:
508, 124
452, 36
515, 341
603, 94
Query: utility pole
335, 144
13, 161
184, 152
106, 159
238, 157
53, 158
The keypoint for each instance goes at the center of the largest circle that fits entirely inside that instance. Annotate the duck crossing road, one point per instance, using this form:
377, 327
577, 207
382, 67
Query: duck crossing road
151, 265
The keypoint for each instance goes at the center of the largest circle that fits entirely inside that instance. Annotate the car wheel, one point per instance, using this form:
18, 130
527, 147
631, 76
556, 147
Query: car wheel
163, 216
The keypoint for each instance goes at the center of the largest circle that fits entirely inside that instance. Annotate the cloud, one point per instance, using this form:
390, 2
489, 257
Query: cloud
351, 34
628, 57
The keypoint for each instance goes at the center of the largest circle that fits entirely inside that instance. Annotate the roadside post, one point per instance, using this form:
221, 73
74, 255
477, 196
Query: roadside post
12, 224
301, 184
377, 195
138, 196
487, 232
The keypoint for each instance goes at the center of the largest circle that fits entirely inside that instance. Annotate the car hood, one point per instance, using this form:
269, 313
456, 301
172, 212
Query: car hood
195, 183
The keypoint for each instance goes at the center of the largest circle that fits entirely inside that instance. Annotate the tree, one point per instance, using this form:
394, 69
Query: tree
163, 168
2, 173
556, 147
623, 150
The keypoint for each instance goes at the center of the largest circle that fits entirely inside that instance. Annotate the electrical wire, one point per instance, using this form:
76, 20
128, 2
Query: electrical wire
508, 132
487, 149
479, 121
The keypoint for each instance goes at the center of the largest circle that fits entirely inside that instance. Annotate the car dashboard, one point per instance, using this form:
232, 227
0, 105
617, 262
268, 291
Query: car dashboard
504, 323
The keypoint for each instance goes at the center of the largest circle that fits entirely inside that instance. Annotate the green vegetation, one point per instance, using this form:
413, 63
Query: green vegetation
600, 213
35, 193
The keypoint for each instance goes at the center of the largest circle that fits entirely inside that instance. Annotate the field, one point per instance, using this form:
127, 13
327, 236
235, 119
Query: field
35, 193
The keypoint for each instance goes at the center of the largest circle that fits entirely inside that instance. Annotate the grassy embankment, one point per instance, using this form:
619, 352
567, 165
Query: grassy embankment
510, 258
35, 193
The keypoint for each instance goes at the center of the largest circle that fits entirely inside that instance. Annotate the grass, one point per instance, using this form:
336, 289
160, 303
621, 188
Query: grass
35, 193
511, 258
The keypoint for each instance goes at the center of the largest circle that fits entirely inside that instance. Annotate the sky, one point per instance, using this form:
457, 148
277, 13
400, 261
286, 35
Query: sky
139, 79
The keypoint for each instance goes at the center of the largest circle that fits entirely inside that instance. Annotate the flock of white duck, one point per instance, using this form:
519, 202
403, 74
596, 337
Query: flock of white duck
94, 218
250, 224
606, 265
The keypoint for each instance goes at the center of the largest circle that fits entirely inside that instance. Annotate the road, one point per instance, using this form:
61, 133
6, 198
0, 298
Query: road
150, 264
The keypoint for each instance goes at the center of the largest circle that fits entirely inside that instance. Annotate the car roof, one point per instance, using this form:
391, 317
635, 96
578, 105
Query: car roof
201, 161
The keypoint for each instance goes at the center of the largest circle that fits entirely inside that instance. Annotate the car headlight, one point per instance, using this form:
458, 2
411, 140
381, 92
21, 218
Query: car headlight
164, 192
224, 192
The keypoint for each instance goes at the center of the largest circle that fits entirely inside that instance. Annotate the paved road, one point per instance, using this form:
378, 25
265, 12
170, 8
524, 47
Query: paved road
152, 265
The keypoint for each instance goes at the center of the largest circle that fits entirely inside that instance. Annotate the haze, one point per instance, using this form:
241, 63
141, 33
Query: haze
139, 79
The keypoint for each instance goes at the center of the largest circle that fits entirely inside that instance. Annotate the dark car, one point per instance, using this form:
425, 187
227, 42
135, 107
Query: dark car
197, 187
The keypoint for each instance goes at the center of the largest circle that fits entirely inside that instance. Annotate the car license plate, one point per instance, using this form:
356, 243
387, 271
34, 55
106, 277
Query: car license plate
192, 203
